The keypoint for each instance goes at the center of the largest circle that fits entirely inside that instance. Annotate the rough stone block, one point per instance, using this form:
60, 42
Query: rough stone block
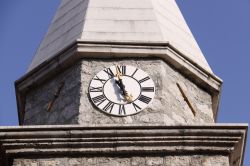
188, 160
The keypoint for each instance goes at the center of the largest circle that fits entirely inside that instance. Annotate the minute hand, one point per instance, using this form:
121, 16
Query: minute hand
119, 82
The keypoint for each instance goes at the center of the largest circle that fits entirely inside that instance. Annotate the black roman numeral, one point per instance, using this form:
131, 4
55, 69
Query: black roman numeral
137, 108
122, 110
148, 89
144, 99
99, 79
122, 70
99, 99
95, 89
134, 73
144, 79
109, 72
109, 107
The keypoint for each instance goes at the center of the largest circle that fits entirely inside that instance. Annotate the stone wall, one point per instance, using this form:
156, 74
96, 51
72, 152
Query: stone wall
65, 109
196, 160
73, 105
208, 145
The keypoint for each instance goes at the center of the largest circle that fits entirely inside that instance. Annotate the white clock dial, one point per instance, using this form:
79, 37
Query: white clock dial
121, 90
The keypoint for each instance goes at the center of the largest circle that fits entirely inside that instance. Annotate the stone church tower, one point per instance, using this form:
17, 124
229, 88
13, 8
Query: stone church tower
120, 83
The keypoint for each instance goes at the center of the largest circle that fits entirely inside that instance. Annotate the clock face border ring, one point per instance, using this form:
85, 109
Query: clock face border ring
145, 91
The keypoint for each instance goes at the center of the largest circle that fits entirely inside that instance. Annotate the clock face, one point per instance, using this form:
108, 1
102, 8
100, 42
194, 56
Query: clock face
121, 90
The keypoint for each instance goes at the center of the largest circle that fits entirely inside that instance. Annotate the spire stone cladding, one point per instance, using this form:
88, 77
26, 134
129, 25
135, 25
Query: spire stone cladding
135, 21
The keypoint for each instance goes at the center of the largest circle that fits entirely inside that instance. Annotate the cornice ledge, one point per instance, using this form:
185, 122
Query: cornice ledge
104, 140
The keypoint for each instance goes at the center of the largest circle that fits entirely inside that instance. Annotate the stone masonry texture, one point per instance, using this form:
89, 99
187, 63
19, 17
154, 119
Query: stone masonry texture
73, 106
65, 109
196, 160
119, 21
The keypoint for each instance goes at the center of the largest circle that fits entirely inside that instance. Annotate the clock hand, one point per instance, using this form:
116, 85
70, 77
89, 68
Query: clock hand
128, 97
186, 99
56, 95
119, 82
121, 86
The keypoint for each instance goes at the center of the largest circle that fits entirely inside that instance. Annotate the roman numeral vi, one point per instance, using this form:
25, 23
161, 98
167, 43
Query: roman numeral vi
122, 110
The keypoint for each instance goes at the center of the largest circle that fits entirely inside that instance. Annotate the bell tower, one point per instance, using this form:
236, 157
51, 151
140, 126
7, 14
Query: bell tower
121, 82
88, 36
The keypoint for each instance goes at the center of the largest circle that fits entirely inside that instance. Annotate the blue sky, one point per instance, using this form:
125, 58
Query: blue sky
221, 27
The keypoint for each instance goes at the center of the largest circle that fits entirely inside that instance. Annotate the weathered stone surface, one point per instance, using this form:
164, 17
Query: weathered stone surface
73, 105
137, 161
119, 21
154, 161
25, 162
196, 160
119, 145
65, 109
50, 162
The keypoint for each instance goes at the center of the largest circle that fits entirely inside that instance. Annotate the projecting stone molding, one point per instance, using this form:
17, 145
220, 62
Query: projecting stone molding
208, 144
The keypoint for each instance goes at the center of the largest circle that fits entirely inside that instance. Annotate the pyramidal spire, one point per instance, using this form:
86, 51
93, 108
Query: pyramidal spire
144, 21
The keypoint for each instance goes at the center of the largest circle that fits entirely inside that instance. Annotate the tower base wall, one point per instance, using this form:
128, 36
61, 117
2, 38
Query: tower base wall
196, 160
215, 145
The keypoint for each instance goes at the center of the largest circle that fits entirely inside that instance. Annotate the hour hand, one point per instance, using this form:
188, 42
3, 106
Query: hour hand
128, 97
119, 82
121, 86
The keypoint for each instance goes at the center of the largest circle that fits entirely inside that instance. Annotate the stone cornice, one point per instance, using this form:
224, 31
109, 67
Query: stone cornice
39, 141
114, 50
